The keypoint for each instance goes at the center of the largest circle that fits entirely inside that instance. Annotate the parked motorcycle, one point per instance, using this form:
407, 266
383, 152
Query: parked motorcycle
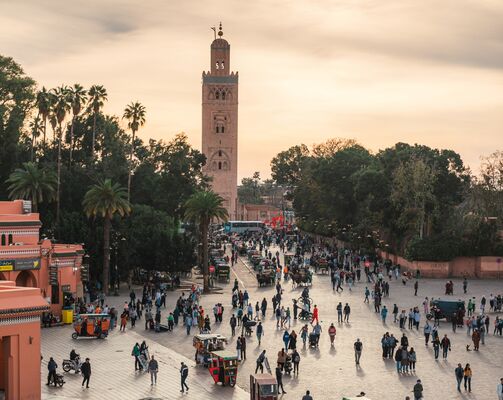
69, 365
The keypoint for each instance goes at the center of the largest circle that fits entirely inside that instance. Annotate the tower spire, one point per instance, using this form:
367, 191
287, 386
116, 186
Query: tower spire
220, 32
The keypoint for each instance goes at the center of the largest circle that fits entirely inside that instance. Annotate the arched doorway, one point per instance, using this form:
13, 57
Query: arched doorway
26, 279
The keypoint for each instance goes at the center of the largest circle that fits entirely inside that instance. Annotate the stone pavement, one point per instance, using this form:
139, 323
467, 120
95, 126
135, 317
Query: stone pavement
113, 374
329, 373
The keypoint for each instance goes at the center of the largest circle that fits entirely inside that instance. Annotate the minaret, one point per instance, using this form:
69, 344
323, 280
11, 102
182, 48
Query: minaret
220, 124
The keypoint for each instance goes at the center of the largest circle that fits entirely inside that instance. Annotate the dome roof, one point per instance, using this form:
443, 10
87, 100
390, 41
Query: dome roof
220, 43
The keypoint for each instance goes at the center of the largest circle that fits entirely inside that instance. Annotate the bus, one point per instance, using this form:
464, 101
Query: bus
243, 226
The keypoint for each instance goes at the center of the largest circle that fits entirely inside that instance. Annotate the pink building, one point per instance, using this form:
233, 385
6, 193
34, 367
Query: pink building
30, 261
20, 310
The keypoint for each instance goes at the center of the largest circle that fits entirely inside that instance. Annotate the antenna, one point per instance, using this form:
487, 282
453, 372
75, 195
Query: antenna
214, 29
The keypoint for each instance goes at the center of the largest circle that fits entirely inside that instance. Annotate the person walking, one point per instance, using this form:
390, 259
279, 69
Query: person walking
260, 362
243, 348
279, 379
315, 315
412, 359
459, 373
427, 332
395, 313
259, 332
384, 313
499, 389
418, 390
153, 368
52, 367
416, 286
347, 312
476, 339
467, 375
307, 396
233, 322
184, 373
331, 333
86, 372
136, 353
296, 361
436, 347
339, 312
358, 346
446, 346
238, 348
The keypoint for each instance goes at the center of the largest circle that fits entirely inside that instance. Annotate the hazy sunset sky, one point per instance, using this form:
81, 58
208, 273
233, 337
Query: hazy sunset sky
378, 71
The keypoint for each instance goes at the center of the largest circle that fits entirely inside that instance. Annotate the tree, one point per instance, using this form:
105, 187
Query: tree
32, 183
17, 95
36, 129
202, 207
332, 146
135, 114
43, 102
77, 96
60, 108
105, 200
287, 166
249, 190
413, 194
97, 97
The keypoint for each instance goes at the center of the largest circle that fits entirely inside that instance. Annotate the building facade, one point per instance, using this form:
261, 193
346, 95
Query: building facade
220, 124
29, 261
20, 310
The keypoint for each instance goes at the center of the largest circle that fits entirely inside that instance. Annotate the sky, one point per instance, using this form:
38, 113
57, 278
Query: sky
380, 72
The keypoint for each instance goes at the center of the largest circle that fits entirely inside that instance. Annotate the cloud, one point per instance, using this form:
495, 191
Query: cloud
380, 71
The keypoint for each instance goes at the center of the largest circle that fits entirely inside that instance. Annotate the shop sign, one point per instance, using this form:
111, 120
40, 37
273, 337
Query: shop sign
27, 264
66, 288
6, 265
26, 206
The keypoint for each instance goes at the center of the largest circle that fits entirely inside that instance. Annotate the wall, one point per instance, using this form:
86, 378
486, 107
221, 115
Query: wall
474, 267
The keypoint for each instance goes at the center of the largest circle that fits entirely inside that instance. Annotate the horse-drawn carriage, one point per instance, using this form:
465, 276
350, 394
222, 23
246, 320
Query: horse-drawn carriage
301, 276
320, 265
266, 277
223, 271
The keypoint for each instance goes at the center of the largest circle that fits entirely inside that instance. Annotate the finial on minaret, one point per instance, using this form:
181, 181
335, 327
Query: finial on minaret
220, 32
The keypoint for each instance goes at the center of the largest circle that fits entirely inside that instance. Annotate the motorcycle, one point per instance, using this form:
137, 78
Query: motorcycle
69, 365
60, 380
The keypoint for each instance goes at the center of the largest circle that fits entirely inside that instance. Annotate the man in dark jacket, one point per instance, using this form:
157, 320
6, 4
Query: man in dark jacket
418, 390
279, 379
184, 373
459, 372
52, 367
86, 372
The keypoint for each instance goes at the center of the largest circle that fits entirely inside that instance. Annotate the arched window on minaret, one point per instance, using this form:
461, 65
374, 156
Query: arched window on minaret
217, 65
220, 165
217, 94
223, 95
222, 65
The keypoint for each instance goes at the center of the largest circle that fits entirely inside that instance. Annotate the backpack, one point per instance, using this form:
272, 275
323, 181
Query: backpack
296, 359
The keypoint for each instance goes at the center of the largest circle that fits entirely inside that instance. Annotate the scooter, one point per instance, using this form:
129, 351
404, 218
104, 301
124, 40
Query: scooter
69, 365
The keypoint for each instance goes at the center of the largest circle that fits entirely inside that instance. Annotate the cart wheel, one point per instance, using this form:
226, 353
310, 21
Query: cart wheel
75, 335
67, 367
61, 383
232, 382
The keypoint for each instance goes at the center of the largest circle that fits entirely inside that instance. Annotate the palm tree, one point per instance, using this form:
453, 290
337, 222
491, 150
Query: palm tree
60, 108
203, 207
106, 199
36, 129
33, 184
44, 106
135, 114
77, 96
97, 97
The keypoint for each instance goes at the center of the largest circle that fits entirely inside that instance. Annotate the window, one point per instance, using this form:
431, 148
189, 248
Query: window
221, 129
220, 165
3, 240
220, 153
217, 129
217, 95
222, 65
223, 95
217, 66
10, 239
